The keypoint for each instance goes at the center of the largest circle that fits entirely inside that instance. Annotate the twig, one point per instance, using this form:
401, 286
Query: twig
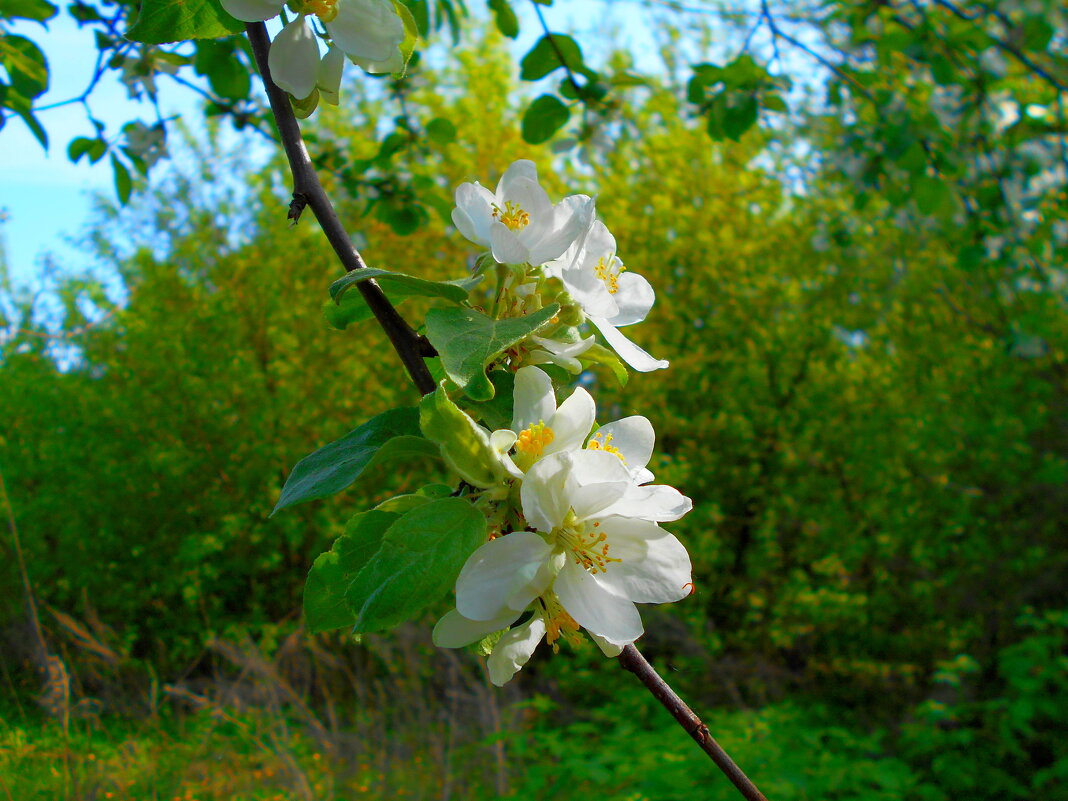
308, 191
556, 49
637, 664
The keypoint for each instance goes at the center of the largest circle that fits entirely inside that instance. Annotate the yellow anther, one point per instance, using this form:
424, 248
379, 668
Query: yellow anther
513, 216
582, 543
326, 10
603, 442
609, 273
558, 623
533, 440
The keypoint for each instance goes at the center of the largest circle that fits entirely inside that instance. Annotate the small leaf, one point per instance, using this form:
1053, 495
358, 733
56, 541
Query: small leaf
739, 116
464, 444
544, 57
546, 115
325, 607
417, 563
456, 291
162, 21
334, 467
468, 341
123, 184
37, 10
441, 130
504, 16
496, 413
26, 66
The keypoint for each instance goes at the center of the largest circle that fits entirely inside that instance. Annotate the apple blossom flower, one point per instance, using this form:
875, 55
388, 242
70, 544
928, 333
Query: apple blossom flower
367, 31
610, 295
596, 562
518, 222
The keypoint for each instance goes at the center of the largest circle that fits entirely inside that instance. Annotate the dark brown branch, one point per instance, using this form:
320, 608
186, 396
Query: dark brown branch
308, 191
637, 664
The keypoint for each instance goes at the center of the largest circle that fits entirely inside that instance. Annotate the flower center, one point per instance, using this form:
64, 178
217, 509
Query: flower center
586, 543
513, 216
533, 440
558, 623
326, 10
603, 442
609, 273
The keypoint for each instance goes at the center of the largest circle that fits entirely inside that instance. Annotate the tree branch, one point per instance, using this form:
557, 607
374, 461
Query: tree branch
308, 191
637, 664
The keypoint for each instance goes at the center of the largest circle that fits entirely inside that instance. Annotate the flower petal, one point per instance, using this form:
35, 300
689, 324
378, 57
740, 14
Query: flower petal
294, 59
252, 10
627, 350
607, 648
657, 502
634, 298
504, 574
542, 493
366, 29
571, 219
533, 400
506, 247
633, 437
329, 77
572, 422
473, 215
520, 168
455, 631
596, 481
532, 199
654, 567
514, 649
596, 609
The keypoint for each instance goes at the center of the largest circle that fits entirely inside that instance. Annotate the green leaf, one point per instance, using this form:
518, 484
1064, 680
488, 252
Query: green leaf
546, 115
456, 291
37, 10
417, 563
739, 116
544, 57
932, 195
399, 504
325, 607
468, 341
162, 21
464, 444
599, 354
497, 412
332, 468
26, 66
123, 184
441, 130
228, 77
504, 16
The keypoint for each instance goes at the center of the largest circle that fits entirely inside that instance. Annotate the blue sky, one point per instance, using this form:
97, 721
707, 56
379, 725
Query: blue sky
48, 200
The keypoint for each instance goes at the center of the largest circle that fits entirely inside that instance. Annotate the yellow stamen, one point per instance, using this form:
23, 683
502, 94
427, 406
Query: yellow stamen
558, 623
513, 216
534, 439
326, 10
588, 546
609, 273
596, 443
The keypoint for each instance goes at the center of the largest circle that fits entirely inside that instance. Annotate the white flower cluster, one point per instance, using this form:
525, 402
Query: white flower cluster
584, 544
565, 242
369, 32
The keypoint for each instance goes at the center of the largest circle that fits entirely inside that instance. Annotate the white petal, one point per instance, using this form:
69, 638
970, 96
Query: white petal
572, 422
633, 436
540, 356
294, 59
643, 476
588, 290
504, 574
600, 244
543, 494
473, 215
395, 63
455, 631
532, 199
654, 567
366, 29
634, 299
329, 78
533, 400
595, 608
514, 649
627, 350
252, 10
657, 502
521, 168
608, 649
596, 481
565, 349
506, 247
571, 220
502, 440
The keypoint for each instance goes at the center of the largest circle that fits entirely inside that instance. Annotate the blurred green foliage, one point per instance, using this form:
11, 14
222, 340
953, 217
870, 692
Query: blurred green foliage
867, 403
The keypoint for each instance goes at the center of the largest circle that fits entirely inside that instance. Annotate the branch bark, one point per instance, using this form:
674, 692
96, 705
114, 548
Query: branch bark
308, 191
